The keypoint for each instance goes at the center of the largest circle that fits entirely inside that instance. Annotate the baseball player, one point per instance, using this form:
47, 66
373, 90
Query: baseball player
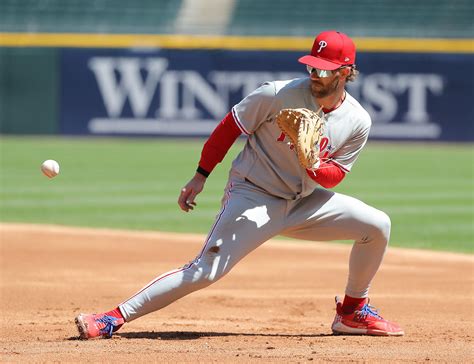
269, 193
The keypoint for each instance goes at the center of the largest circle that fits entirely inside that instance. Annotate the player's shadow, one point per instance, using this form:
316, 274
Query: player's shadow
194, 335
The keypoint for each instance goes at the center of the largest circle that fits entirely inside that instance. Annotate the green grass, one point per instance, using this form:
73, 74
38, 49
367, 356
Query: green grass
427, 189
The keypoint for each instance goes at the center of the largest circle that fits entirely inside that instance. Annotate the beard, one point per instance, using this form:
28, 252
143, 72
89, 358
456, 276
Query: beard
319, 90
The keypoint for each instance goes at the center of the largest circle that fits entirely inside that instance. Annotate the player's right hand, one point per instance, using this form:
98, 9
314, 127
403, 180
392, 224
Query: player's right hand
186, 200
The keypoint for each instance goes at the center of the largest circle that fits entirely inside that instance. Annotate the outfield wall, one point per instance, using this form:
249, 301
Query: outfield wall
411, 95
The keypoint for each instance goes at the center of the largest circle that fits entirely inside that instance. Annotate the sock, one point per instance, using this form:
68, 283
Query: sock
116, 313
351, 304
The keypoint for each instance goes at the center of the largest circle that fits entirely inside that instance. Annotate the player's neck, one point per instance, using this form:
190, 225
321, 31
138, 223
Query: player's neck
332, 102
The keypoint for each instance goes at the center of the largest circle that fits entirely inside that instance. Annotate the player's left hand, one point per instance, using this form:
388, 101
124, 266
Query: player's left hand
304, 128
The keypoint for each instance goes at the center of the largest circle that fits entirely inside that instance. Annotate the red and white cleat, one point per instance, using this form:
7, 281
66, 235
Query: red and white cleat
97, 325
365, 321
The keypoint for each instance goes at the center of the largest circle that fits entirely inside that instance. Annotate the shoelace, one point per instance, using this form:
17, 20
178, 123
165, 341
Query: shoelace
109, 323
368, 310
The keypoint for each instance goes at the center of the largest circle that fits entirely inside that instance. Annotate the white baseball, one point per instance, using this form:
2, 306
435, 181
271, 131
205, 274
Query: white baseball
50, 168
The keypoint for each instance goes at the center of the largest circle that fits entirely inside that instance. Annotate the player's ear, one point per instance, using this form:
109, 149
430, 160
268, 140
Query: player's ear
344, 72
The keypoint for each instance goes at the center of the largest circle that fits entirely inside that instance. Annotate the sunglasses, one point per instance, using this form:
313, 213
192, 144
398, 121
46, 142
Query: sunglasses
322, 73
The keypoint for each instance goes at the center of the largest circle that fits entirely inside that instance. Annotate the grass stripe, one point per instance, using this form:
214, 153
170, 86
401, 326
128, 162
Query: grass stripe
430, 210
94, 201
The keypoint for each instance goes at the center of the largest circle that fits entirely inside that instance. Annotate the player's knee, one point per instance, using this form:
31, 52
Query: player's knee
207, 276
206, 270
377, 228
197, 275
383, 225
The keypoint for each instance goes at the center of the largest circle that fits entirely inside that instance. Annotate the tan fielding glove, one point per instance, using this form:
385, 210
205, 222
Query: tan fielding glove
305, 130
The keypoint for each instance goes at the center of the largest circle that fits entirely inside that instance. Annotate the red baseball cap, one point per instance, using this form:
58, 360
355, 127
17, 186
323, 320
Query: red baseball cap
331, 50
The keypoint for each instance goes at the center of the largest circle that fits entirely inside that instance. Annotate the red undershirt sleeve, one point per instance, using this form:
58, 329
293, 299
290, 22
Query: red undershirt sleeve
218, 144
328, 174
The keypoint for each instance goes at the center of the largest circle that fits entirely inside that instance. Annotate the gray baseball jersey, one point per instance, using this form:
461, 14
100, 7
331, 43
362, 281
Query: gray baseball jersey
268, 159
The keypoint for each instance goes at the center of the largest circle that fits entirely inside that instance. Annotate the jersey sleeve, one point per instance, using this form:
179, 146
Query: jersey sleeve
256, 108
346, 156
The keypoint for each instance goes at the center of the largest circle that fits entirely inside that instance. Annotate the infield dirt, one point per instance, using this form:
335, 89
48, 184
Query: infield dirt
277, 305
